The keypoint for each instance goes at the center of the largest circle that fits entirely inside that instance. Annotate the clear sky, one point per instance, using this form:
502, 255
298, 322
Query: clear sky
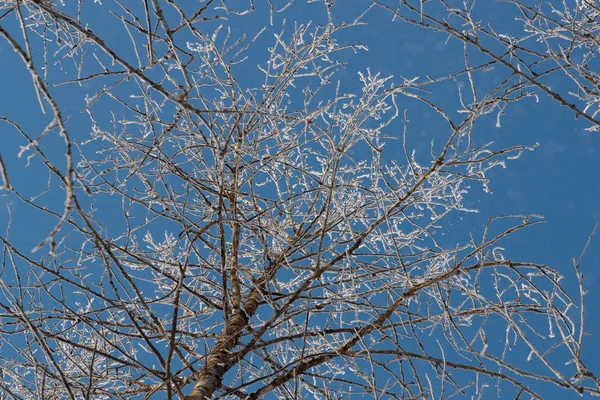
559, 180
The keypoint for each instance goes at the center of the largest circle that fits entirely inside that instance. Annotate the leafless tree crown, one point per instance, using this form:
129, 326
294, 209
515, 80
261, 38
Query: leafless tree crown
229, 213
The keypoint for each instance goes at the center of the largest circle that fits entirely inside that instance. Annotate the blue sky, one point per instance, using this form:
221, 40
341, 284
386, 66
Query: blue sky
559, 180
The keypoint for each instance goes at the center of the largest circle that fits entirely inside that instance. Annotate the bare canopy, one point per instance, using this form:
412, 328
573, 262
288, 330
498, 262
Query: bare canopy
227, 213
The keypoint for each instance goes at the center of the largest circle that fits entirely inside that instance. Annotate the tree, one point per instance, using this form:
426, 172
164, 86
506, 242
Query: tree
227, 223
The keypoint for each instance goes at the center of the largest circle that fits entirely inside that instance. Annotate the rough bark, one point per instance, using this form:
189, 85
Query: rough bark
219, 360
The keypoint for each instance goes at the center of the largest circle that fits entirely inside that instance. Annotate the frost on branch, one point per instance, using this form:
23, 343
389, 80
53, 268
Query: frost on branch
249, 214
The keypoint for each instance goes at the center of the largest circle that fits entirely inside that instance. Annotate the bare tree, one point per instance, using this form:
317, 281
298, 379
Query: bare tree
229, 224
